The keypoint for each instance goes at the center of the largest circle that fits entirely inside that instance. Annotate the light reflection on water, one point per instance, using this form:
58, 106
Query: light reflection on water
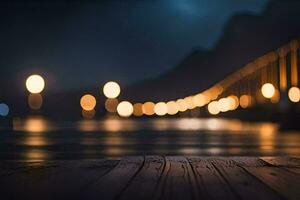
37, 138
37, 124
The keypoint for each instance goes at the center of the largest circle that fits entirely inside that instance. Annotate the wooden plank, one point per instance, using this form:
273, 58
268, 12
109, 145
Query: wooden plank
23, 184
111, 185
63, 180
11, 167
288, 163
144, 184
282, 181
282, 161
178, 181
74, 178
211, 184
245, 185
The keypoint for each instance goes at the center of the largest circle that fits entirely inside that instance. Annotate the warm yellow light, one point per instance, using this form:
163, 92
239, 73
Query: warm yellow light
213, 108
111, 89
245, 101
268, 90
111, 105
138, 109
276, 97
189, 102
148, 108
224, 104
88, 102
172, 108
294, 94
35, 84
161, 108
234, 102
35, 101
181, 104
125, 109
199, 100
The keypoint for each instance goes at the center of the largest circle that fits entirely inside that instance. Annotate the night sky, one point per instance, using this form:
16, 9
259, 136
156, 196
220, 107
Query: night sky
77, 45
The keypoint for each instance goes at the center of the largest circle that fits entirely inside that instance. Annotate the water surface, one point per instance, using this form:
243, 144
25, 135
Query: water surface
36, 138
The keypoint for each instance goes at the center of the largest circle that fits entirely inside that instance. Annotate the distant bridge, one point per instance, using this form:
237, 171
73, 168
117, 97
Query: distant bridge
264, 80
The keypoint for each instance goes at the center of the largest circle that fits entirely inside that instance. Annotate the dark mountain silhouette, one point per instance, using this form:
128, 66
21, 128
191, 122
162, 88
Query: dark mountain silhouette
245, 38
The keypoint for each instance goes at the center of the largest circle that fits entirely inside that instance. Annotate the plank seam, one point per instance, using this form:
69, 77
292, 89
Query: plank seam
230, 186
118, 196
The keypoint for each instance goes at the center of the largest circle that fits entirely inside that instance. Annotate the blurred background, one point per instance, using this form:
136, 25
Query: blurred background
90, 79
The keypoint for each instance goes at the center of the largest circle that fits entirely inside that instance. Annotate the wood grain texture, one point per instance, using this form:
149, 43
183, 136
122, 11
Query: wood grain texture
53, 180
178, 180
153, 177
111, 185
280, 180
244, 184
288, 163
211, 184
144, 184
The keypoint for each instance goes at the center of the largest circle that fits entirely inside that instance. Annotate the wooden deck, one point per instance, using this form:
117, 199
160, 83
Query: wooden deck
153, 177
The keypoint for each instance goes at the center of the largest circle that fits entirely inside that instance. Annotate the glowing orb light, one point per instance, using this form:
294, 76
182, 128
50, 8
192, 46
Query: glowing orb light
35, 84
182, 107
199, 100
172, 108
111, 89
148, 108
224, 104
268, 90
234, 102
138, 109
294, 94
245, 101
213, 108
88, 102
161, 109
125, 109
189, 102
111, 105
4, 109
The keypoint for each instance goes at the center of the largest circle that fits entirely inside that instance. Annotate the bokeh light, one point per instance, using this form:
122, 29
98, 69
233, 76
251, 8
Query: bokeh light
181, 104
111, 105
213, 108
148, 108
125, 109
35, 101
234, 102
111, 89
138, 109
276, 97
172, 108
88, 102
189, 102
161, 108
35, 84
199, 100
245, 101
223, 104
268, 90
4, 110
294, 94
